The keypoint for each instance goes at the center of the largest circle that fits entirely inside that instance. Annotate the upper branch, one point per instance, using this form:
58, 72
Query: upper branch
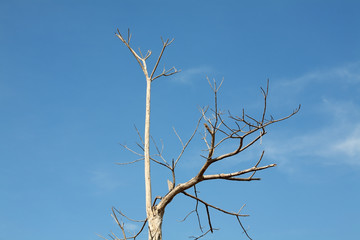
164, 73
231, 176
142, 59
214, 207
215, 128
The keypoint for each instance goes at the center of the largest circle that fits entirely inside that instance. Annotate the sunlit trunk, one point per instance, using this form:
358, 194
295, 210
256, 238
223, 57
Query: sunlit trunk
155, 226
147, 150
154, 216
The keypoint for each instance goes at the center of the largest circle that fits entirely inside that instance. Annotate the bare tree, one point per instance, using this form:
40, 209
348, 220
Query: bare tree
219, 128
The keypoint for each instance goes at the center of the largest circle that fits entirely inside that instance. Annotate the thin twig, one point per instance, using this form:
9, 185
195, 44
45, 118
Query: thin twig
126, 163
202, 235
237, 217
214, 207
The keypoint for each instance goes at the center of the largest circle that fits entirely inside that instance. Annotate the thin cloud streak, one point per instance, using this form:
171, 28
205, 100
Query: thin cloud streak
351, 146
324, 146
334, 138
349, 73
104, 181
190, 75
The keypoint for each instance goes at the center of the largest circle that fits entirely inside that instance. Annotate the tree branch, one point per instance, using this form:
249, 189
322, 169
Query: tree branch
121, 225
230, 176
214, 207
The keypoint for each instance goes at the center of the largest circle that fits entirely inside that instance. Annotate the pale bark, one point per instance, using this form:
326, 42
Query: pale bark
147, 151
153, 214
155, 225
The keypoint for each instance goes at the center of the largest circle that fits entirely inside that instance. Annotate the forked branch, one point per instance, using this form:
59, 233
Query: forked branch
121, 225
142, 59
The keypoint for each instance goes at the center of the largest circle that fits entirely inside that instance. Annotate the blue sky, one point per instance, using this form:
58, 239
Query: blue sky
70, 92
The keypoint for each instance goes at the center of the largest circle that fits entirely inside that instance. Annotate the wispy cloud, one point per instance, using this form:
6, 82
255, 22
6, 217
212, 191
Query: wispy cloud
190, 75
331, 124
347, 73
350, 146
131, 227
104, 180
326, 146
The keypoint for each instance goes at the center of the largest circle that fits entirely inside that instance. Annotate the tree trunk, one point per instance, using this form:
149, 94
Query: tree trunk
155, 225
147, 150
154, 216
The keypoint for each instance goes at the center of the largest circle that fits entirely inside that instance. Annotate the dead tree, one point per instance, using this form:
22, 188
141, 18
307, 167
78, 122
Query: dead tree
219, 128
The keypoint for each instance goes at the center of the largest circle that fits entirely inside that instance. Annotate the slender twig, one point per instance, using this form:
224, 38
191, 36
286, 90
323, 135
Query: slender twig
230, 176
126, 163
159, 152
138, 133
187, 143
214, 207
133, 151
196, 209
121, 225
237, 217
187, 215
122, 214
202, 235
208, 216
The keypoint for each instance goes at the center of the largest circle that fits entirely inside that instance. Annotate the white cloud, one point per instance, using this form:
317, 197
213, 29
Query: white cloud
104, 180
350, 146
192, 74
131, 227
349, 73
324, 146
334, 141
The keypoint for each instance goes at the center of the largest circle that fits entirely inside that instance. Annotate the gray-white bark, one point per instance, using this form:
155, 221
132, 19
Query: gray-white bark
155, 225
153, 214
148, 197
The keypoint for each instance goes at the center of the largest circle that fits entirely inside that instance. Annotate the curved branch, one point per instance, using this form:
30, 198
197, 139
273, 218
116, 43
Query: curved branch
126, 163
214, 207
187, 143
121, 225
230, 176
140, 60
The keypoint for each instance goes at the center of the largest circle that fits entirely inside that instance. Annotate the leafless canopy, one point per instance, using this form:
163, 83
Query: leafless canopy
218, 129
141, 59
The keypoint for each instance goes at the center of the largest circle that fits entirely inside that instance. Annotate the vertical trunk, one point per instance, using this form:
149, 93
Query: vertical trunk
147, 150
155, 225
154, 216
